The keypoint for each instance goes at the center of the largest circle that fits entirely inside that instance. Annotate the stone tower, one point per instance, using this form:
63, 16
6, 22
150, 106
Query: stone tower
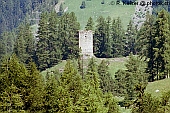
86, 43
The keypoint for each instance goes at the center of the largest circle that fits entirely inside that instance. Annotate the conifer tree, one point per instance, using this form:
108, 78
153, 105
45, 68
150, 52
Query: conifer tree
90, 24
91, 99
107, 41
28, 82
117, 38
110, 103
11, 101
130, 39
20, 45
68, 33
70, 86
35, 89
128, 79
106, 81
100, 38
146, 43
24, 46
51, 95
7, 40
42, 49
161, 48
54, 41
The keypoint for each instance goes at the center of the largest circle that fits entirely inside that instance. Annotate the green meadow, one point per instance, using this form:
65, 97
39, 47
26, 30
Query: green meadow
94, 9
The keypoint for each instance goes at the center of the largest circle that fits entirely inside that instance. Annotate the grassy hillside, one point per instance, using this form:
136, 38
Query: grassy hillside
94, 9
114, 65
161, 85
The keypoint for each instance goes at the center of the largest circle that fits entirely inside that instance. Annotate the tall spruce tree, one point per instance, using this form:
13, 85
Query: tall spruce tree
106, 81
107, 41
117, 38
161, 48
68, 33
51, 95
128, 79
70, 87
146, 43
102, 44
130, 35
90, 24
54, 41
42, 49
92, 100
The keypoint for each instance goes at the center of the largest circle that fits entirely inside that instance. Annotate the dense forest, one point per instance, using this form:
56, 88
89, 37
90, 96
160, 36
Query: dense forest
13, 12
23, 55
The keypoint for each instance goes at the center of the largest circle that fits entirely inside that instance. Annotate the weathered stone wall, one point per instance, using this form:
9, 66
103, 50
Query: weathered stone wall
86, 43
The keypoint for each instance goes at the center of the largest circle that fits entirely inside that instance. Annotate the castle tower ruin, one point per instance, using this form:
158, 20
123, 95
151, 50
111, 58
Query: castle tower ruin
86, 43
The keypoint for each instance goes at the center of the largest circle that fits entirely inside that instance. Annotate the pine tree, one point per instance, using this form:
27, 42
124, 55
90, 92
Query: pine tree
107, 41
35, 89
7, 43
91, 100
106, 81
29, 42
68, 33
20, 45
128, 79
100, 37
55, 42
90, 24
51, 95
70, 86
130, 39
146, 43
11, 100
117, 38
110, 103
42, 49
161, 48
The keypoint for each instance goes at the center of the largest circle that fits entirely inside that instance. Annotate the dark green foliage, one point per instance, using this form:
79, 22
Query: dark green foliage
91, 100
155, 41
147, 104
90, 24
126, 81
11, 101
109, 38
130, 35
110, 103
23, 90
7, 40
13, 12
24, 45
117, 38
68, 33
42, 49
54, 41
28, 82
70, 89
106, 81
51, 95
144, 40
102, 41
